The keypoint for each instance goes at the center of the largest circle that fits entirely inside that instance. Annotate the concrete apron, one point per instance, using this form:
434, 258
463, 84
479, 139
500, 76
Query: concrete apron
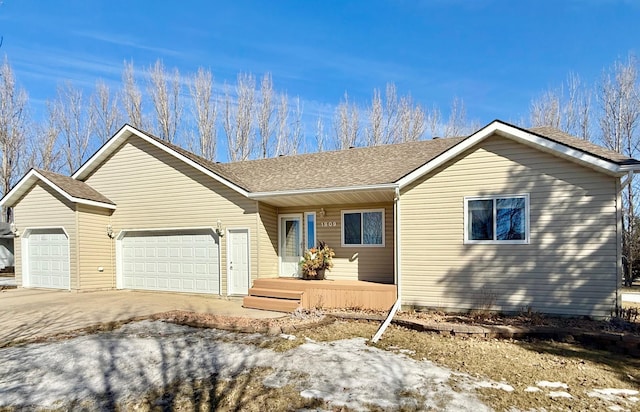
31, 313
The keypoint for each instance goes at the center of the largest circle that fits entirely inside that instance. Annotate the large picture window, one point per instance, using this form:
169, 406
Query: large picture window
363, 227
498, 219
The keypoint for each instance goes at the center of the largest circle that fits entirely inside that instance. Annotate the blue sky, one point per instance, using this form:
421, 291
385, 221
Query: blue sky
495, 55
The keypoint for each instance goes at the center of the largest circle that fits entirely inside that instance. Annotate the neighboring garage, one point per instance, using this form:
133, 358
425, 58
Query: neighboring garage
47, 258
176, 261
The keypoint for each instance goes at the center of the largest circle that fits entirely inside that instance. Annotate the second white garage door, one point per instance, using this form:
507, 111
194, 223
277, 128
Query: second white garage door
184, 261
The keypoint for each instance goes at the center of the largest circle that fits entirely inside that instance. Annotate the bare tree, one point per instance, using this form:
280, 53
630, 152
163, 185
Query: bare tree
265, 116
346, 124
457, 124
320, 134
106, 111
434, 117
619, 96
293, 140
282, 124
545, 111
45, 151
164, 90
411, 121
205, 113
13, 101
375, 132
239, 117
76, 124
132, 97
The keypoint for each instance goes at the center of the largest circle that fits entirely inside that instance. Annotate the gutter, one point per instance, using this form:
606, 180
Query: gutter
327, 190
396, 267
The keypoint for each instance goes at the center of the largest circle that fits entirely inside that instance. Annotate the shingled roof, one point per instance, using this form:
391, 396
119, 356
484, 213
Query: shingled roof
75, 188
566, 139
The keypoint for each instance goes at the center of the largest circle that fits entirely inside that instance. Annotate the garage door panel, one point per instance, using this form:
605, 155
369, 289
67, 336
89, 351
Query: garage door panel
48, 258
172, 261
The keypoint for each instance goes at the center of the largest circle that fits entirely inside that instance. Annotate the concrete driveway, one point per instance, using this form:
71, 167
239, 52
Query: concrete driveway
30, 313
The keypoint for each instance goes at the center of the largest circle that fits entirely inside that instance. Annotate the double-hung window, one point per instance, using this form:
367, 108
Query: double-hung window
497, 219
363, 227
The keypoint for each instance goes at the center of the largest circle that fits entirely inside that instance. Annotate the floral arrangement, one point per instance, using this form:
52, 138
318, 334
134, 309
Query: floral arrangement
316, 260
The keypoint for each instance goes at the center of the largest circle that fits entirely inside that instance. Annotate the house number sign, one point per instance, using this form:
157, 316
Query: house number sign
328, 224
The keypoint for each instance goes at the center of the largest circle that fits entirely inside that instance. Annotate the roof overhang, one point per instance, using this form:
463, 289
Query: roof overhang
525, 137
382, 193
121, 137
31, 178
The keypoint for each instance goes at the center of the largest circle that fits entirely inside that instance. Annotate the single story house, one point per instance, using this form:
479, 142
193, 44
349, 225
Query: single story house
504, 219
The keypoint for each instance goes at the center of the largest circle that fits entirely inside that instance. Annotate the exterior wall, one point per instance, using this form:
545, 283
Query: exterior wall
43, 207
95, 249
268, 241
569, 266
154, 190
374, 264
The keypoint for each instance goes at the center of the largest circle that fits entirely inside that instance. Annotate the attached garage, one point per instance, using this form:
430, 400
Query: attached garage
47, 258
176, 261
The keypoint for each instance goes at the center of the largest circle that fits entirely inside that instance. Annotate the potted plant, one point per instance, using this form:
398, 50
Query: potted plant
316, 260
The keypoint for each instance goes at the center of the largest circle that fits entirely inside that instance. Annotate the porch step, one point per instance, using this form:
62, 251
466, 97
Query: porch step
274, 304
276, 293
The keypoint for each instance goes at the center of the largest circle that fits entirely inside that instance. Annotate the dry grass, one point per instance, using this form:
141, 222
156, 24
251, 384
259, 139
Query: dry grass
520, 364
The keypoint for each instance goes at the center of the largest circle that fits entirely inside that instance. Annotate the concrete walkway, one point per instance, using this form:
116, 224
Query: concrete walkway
30, 313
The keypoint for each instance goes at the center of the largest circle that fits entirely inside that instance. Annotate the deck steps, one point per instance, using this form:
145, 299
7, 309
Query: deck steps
274, 304
276, 293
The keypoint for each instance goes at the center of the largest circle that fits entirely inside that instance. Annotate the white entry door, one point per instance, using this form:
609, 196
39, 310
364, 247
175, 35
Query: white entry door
238, 256
290, 243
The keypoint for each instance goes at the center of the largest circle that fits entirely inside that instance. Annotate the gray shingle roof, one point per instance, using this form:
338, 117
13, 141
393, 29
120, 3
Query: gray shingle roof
584, 146
75, 187
365, 166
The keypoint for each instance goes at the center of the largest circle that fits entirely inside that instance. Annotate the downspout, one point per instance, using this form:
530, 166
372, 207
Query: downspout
621, 185
396, 268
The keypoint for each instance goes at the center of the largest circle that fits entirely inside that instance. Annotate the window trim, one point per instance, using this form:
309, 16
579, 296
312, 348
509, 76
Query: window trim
495, 241
362, 211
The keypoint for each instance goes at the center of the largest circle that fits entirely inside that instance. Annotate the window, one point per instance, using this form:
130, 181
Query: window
499, 219
310, 221
363, 228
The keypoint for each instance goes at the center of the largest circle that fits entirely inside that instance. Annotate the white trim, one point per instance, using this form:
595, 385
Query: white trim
306, 230
300, 217
123, 232
228, 264
527, 213
121, 136
34, 174
511, 132
24, 258
361, 211
262, 195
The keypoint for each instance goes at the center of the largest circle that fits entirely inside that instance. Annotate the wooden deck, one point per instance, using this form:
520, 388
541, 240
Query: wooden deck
286, 294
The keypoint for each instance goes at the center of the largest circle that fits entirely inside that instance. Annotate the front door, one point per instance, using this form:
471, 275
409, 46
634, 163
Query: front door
290, 245
238, 256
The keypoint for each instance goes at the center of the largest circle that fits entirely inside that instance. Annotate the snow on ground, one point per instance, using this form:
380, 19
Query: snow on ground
120, 365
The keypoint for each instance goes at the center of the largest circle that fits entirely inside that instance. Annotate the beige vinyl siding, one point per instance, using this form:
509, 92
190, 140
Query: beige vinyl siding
95, 249
569, 267
369, 263
43, 207
154, 190
268, 241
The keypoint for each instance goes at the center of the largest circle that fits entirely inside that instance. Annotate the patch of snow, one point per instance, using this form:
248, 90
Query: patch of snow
559, 394
547, 384
141, 356
616, 408
496, 385
532, 389
287, 337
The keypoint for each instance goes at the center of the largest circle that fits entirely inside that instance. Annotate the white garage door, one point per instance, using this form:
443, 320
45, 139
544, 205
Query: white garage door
185, 261
48, 259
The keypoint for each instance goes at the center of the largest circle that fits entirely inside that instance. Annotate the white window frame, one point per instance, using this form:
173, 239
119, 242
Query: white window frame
527, 209
306, 230
361, 211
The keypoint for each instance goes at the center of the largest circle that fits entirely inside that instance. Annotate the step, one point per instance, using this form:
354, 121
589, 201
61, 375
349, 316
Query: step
276, 293
274, 304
